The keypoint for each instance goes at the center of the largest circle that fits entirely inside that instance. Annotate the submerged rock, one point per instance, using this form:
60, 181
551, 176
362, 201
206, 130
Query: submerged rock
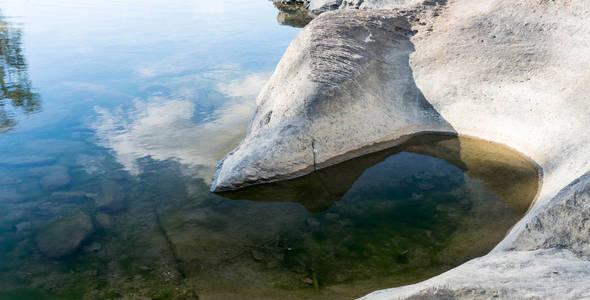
64, 236
113, 197
103, 221
52, 177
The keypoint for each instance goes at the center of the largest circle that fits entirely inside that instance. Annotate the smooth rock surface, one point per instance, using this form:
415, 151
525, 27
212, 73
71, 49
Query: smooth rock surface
511, 72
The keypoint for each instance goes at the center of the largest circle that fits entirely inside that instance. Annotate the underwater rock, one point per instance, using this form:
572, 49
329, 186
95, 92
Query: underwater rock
94, 247
23, 227
55, 180
52, 177
104, 221
11, 197
64, 236
113, 197
69, 196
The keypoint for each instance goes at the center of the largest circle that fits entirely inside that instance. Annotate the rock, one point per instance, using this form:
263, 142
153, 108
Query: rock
334, 93
104, 221
113, 197
9, 181
320, 6
541, 274
55, 180
23, 226
11, 197
52, 177
564, 225
417, 196
324, 5
511, 72
64, 236
290, 2
69, 196
94, 247
312, 222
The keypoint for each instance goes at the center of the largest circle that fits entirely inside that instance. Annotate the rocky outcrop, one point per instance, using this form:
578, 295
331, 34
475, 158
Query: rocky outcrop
513, 72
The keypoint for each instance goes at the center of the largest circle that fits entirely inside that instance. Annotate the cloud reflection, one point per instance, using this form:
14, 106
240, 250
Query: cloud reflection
164, 128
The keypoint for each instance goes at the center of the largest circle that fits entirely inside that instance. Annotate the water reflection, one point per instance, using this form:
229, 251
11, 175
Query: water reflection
390, 218
510, 176
163, 128
16, 92
295, 15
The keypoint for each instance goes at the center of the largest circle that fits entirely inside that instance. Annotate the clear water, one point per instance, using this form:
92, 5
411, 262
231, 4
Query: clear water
112, 117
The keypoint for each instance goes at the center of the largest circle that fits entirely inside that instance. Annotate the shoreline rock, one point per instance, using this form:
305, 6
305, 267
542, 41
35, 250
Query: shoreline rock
511, 72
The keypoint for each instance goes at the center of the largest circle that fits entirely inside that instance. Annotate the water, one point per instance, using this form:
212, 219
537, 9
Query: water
112, 117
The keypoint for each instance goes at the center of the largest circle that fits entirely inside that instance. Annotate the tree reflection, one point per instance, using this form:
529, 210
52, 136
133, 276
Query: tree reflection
16, 92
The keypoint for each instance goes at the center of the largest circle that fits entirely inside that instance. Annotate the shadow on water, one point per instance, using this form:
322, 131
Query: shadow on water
16, 92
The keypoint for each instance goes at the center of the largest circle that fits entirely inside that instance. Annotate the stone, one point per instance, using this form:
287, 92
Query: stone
51, 177
541, 274
9, 181
55, 180
324, 5
113, 197
347, 66
94, 247
11, 197
69, 196
104, 221
64, 236
23, 227
511, 72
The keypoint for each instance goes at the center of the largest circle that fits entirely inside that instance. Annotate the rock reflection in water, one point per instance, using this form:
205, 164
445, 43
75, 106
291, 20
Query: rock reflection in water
295, 15
507, 174
390, 218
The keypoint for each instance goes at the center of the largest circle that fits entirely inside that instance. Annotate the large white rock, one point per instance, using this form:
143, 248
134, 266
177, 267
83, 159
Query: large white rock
320, 6
512, 72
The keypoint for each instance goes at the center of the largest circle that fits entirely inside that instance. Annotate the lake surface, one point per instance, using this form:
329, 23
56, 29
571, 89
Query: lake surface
112, 117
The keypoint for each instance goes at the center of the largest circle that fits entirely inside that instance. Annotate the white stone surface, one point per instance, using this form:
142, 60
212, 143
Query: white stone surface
512, 72
550, 274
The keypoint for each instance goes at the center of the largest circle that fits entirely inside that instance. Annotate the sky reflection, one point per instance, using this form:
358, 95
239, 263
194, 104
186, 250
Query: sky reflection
145, 83
163, 128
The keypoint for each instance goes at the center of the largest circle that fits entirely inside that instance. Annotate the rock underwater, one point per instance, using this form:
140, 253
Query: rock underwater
375, 73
